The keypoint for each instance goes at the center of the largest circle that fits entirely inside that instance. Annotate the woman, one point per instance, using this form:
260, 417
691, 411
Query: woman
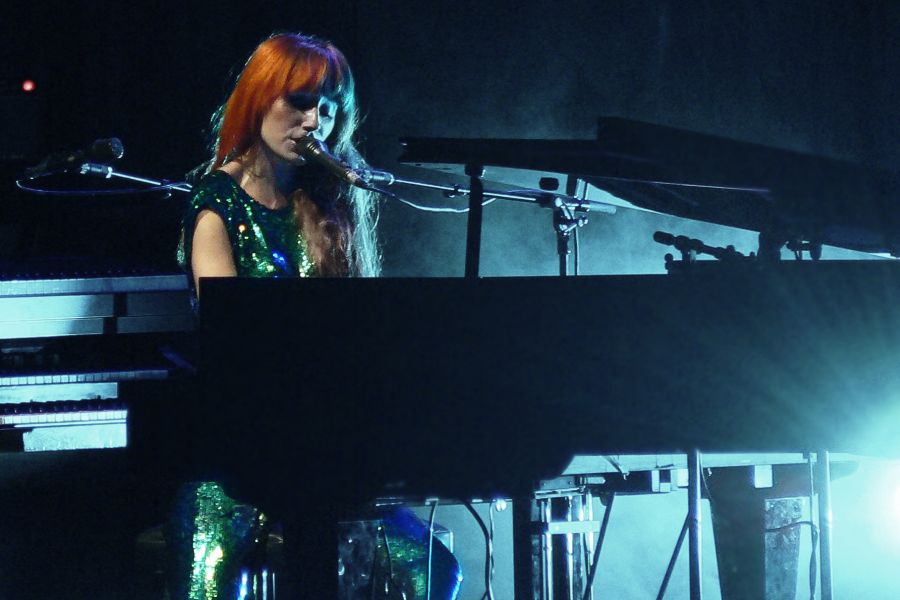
261, 211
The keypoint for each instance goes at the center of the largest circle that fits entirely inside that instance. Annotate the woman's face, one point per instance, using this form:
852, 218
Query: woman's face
294, 117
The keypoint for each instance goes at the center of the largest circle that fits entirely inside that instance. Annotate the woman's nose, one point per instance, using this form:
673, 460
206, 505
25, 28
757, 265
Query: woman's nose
311, 119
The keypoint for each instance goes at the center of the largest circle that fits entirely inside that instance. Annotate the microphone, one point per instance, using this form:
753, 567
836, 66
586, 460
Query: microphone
316, 151
60, 162
683, 243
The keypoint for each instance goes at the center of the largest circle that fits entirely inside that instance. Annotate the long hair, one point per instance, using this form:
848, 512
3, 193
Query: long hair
284, 64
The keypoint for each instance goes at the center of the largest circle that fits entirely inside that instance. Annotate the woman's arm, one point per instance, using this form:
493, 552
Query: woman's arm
211, 249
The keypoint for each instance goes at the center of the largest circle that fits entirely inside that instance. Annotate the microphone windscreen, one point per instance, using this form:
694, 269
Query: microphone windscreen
664, 238
107, 149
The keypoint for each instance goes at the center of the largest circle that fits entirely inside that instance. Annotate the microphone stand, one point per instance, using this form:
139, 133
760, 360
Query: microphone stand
569, 212
474, 219
107, 172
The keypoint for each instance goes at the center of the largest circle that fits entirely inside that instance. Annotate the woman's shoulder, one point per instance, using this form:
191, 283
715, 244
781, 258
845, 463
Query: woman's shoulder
216, 189
217, 180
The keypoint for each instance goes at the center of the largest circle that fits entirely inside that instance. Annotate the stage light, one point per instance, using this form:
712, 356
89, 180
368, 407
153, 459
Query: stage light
896, 498
882, 504
28, 85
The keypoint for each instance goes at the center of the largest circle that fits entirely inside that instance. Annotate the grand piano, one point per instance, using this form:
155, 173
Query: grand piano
480, 387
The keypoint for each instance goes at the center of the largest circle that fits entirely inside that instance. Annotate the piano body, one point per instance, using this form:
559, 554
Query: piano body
510, 377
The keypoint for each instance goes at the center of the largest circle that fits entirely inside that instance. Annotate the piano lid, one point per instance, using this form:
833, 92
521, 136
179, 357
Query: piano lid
702, 177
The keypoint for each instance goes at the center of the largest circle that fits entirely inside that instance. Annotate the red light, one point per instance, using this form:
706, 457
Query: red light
28, 86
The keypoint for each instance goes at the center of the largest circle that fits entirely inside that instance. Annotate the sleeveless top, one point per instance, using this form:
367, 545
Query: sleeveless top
264, 242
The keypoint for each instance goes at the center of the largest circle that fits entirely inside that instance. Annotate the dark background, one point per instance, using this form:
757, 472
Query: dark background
808, 76
812, 76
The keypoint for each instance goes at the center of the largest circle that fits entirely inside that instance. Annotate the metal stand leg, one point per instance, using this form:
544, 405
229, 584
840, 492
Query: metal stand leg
665, 582
589, 584
473, 230
547, 555
570, 552
559, 545
524, 549
823, 488
694, 522
588, 543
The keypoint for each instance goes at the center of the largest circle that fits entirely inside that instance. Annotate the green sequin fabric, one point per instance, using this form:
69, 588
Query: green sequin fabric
210, 537
264, 242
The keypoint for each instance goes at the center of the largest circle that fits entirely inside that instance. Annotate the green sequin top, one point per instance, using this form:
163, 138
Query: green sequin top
264, 242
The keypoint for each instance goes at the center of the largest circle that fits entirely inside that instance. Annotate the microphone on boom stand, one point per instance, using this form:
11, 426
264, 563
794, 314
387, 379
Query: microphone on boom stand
315, 151
103, 150
690, 247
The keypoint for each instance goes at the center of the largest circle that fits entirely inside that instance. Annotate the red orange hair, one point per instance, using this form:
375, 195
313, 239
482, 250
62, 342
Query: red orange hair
284, 64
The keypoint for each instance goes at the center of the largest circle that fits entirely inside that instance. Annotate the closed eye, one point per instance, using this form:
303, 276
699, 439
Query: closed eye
303, 100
